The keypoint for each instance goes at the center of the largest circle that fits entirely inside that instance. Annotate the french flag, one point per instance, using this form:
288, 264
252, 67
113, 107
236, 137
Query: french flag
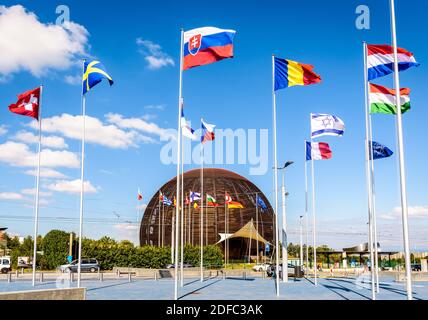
207, 132
380, 60
318, 151
207, 45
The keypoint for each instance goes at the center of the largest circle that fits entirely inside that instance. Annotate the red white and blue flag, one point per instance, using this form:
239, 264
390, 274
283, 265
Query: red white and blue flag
318, 151
186, 130
380, 60
207, 132
207, 45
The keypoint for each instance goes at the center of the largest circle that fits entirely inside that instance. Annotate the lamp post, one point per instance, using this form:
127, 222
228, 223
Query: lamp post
284, 224
301, 241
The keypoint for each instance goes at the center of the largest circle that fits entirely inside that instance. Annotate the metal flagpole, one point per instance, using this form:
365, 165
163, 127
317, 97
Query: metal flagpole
375, 240
301, 241
82, 190
275, 157
257, 227
180, 102
368, 175
284, 233
314, 222
202, 214
182, 219
306, 211
36, 218
225, 230
403, 187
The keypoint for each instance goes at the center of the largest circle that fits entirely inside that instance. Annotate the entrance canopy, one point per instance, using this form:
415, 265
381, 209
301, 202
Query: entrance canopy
248, 231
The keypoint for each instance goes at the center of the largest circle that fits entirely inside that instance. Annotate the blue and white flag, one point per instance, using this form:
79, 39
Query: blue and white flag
194, 196
379, 151
166, 201
326, 125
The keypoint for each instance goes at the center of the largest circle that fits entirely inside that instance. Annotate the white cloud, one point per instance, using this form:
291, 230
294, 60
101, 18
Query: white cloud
51, 141
160, 107
96, 131
11, 196
19, 155
73, 186
3, 130
417, 212
29, 45
32, 192
73, 80
47, 173
154, 55
140, 125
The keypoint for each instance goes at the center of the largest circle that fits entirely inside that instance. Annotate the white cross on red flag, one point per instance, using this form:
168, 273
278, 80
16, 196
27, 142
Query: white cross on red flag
27, 104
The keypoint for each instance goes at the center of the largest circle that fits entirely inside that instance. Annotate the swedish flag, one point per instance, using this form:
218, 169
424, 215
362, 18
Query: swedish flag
93, 73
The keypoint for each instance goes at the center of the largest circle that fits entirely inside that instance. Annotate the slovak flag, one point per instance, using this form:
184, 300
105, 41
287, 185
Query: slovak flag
207, 132
28, 104
207, 45
318, 151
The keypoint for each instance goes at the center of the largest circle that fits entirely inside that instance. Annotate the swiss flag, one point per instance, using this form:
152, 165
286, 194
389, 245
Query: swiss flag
27, 104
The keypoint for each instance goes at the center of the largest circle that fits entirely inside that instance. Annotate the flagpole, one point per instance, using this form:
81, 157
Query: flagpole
275, 157
257, 228
306, 210
225, 229
202, 214
375, 240
404, 210
368, 174
182, 220
36, 218
314, 222
180, 101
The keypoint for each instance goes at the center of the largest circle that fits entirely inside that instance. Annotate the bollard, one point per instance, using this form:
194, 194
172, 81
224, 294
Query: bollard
41, 277
22, 270
71, 277
156, 275
16, 273
118, 273
224, 274
101, 277
9, 278
129, 277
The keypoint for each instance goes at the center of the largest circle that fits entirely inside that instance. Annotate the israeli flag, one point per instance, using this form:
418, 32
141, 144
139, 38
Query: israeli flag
326, 125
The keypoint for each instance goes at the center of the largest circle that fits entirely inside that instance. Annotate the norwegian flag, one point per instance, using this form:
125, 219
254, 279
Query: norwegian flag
28, 104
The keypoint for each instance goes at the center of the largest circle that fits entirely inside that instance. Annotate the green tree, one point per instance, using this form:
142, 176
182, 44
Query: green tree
55, 249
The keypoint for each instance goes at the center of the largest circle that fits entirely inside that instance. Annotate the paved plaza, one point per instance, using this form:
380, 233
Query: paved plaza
217, 288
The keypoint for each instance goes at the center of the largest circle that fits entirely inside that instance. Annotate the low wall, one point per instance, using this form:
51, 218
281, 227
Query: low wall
420, 276
50, 294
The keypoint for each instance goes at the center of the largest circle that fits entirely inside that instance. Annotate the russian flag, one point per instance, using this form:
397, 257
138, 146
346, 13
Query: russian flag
380, 60
207, 132
207, 45
318, 151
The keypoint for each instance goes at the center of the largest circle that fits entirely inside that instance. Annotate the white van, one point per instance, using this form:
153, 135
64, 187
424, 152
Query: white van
5, 265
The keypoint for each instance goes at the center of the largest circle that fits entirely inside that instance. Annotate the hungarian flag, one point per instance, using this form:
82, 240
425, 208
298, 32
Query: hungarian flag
211, 201
27, 104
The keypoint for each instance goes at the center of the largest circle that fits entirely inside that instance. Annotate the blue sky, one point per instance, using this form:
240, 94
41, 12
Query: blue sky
139, 45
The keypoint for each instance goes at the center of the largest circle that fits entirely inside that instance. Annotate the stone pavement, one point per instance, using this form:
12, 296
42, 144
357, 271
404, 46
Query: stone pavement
232, 289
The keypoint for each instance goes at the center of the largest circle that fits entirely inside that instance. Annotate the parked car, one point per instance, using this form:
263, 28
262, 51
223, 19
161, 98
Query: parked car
5, 265
271, 270
416, 267
88, 265
261, 267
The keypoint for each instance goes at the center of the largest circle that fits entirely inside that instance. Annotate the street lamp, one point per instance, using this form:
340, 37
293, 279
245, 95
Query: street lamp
284, 224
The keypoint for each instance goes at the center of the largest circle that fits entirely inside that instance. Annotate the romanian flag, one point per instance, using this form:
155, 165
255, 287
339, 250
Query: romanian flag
290, 73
